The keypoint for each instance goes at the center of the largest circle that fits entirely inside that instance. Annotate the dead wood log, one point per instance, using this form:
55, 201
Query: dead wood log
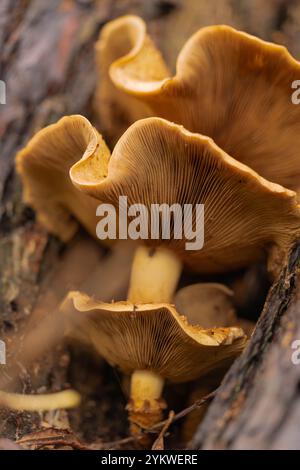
47, 64
258, 404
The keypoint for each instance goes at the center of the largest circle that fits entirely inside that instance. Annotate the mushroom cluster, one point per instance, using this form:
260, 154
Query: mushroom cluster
237, 154
152, 343
229, 85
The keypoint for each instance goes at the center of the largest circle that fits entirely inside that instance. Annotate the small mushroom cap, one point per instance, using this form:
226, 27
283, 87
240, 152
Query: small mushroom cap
206, 304
151, 336
44, 165
210, 304
231, 86
159, 162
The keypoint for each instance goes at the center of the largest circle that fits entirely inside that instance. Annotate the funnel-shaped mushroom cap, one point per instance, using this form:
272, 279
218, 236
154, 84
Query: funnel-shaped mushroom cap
157, 162
44, 166
125, 38
152, 337
230, 86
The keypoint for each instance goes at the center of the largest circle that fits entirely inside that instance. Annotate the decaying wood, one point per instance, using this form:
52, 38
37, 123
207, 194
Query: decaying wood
258, 404
47, 63
46, 60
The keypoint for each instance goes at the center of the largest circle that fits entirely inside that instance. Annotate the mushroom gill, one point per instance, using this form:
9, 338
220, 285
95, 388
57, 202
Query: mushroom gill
158, 162
44, 165
152, 343
228, 85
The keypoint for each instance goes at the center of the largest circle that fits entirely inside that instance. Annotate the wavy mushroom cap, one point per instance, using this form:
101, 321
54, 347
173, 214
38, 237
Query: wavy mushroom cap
228, 85
151, 337
44, 165
124, 40
157, 162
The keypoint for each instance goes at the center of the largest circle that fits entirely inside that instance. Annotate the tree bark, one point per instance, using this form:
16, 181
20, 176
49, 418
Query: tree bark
47, 63
258, 403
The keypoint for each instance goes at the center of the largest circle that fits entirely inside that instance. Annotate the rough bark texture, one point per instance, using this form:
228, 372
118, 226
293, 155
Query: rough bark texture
258, 404
46, 60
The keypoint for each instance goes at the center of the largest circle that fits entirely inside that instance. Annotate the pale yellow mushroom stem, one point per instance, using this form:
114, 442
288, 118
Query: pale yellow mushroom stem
146, 405
51, 401
154, 275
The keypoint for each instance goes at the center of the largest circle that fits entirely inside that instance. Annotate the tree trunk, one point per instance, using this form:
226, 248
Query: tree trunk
258, 403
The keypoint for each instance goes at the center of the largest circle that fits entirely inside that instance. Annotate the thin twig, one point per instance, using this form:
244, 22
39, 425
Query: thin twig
197, 404
159, 442
44, 438
52, 437
157, 427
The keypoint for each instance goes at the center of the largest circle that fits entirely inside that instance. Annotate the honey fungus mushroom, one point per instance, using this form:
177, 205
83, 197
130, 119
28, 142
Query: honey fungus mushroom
206, 304
43, 166
210, 304
117, 109
229, 85
152, 343
246, 217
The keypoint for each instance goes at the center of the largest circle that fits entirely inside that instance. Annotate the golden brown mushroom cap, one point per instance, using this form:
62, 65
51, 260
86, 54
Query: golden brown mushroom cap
156, 161
210, 305
151, 337
206, 304
44, 166
125, 38
230, 86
